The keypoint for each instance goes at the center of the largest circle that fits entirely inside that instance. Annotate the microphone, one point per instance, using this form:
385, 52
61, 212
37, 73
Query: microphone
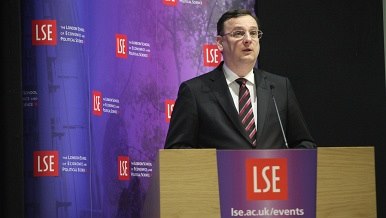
278, 116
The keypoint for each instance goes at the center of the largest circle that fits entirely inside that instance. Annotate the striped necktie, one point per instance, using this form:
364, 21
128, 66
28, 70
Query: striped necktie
246, 111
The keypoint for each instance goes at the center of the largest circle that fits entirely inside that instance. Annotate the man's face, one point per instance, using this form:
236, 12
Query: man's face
239, 51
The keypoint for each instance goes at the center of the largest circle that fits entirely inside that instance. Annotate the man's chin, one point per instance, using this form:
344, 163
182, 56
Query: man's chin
248, 59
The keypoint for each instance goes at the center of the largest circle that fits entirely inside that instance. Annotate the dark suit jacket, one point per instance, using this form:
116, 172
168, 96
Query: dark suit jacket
204, 115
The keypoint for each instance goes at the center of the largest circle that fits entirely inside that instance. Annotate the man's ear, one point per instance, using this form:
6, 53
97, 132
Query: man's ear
219, 41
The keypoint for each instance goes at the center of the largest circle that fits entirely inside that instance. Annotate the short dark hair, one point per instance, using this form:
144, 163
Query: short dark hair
232, 14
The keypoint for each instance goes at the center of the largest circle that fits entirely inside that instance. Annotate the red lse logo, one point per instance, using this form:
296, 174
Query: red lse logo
169, 105
267, 179
44, 32
212, 56
97, 103
170, 2
121, 48
123, 168
46, 163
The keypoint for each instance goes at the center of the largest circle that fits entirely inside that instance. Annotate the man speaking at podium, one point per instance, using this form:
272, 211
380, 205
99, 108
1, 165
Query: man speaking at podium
237, 106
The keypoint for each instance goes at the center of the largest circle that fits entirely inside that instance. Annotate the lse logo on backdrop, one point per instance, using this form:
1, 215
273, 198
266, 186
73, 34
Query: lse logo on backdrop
169, 105
44, 32
170, 2
121, 48
97, 103
267, 179
212, 56
46, 163
123, 168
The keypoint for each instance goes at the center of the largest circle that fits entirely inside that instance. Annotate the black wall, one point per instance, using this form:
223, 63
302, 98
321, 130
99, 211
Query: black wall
332, 51
11, 161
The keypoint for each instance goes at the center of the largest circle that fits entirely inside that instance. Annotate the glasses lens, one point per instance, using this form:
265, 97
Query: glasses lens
254, 33
238, 34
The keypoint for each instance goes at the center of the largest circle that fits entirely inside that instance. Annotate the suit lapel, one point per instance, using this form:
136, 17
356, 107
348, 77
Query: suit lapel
221, 92
263, 98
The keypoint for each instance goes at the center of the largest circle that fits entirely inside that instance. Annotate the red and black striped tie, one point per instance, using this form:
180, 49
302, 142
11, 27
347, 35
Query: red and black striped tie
246, 111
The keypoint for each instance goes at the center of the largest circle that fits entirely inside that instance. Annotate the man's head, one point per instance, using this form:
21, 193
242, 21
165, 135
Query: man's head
238, 40
233, 14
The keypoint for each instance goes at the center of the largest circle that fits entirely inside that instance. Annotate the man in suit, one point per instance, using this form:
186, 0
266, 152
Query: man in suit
209, 113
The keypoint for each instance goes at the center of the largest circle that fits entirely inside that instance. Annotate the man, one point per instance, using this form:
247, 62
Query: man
209, 113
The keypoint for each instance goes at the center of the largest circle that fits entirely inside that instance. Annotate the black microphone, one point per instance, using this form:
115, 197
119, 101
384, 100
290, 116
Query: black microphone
278, 115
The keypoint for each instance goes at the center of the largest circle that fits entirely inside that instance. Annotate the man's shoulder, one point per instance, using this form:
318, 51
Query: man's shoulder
208, 76
269, 75
267, 79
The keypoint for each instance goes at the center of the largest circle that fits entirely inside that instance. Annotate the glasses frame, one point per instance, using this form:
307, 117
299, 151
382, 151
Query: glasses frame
259, 34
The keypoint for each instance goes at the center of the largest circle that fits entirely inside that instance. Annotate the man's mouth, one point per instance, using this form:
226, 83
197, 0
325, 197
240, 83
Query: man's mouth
247, 50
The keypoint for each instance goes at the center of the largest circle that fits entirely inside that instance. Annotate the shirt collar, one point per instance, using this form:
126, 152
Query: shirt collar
230, 76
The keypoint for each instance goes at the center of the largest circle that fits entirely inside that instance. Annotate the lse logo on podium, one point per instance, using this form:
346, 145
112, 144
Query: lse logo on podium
46, 163
123, 168
121, 48
170, 2
267, 179
97, 103
212, 56
169, 105
44, 32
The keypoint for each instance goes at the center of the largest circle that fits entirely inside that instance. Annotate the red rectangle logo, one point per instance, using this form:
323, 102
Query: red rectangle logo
212, 55
267, 179
97, 103
170, 2
121, 48
123, 168
44, 32
46, 163
169, 105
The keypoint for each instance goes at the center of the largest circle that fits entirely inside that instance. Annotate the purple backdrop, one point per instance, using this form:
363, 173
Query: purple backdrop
97, 77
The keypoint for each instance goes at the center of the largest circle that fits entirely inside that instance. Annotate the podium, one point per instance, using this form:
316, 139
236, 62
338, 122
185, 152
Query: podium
186, 183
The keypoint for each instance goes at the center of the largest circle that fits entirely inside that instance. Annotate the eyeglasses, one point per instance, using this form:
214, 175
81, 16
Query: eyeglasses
239, 34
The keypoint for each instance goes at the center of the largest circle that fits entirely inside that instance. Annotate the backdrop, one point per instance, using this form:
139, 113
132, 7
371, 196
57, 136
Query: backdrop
99, 83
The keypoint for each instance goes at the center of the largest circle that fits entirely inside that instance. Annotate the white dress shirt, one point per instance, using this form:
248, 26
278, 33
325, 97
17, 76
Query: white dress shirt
233, 86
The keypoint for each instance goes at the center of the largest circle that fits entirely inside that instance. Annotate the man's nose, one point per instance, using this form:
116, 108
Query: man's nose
247, 38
